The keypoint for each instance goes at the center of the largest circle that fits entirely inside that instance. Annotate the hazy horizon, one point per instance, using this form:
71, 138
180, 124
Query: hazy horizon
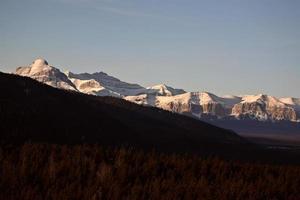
237, 47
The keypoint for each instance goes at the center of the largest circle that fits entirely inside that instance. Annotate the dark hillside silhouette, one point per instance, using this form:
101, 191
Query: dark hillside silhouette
34, 111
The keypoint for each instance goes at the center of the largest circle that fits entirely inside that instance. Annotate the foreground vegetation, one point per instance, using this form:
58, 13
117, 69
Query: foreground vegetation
49, 171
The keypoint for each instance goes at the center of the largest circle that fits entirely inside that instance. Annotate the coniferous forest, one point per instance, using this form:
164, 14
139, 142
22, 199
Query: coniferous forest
44, 171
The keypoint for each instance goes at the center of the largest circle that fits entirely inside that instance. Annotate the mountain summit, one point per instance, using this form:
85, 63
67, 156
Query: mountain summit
43, 72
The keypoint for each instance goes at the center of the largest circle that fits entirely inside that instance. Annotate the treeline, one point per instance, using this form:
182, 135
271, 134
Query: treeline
51, 171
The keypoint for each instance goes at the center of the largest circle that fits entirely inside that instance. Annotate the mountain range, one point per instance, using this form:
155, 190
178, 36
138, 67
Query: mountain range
201, 105
33, 112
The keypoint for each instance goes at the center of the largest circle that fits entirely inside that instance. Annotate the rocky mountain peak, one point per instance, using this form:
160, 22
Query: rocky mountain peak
40, 70
39, 62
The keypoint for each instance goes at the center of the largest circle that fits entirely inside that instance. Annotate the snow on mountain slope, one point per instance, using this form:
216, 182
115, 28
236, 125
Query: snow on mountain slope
293, 102
93, 87
179, 103
262, 98
164, 90
41, 71
110, 84
142, 99
263, 107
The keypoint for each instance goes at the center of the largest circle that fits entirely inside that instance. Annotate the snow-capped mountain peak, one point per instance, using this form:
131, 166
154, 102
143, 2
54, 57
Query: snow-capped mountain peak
263, 98
164, 90
43, 72
38, 65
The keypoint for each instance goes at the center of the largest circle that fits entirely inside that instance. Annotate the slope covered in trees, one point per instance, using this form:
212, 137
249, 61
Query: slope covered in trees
43, 171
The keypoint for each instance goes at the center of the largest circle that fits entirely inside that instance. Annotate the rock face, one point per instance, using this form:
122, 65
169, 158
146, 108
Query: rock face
264, 107
41, 71
202, 105
197, 104
294, 103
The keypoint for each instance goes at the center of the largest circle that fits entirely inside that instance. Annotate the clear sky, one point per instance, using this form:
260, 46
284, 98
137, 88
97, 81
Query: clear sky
224, 47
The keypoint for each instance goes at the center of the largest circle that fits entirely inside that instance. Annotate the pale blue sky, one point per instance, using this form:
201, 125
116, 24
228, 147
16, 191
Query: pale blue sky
225, 47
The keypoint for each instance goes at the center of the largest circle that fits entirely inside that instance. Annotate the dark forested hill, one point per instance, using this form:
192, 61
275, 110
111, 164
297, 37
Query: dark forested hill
32, 111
